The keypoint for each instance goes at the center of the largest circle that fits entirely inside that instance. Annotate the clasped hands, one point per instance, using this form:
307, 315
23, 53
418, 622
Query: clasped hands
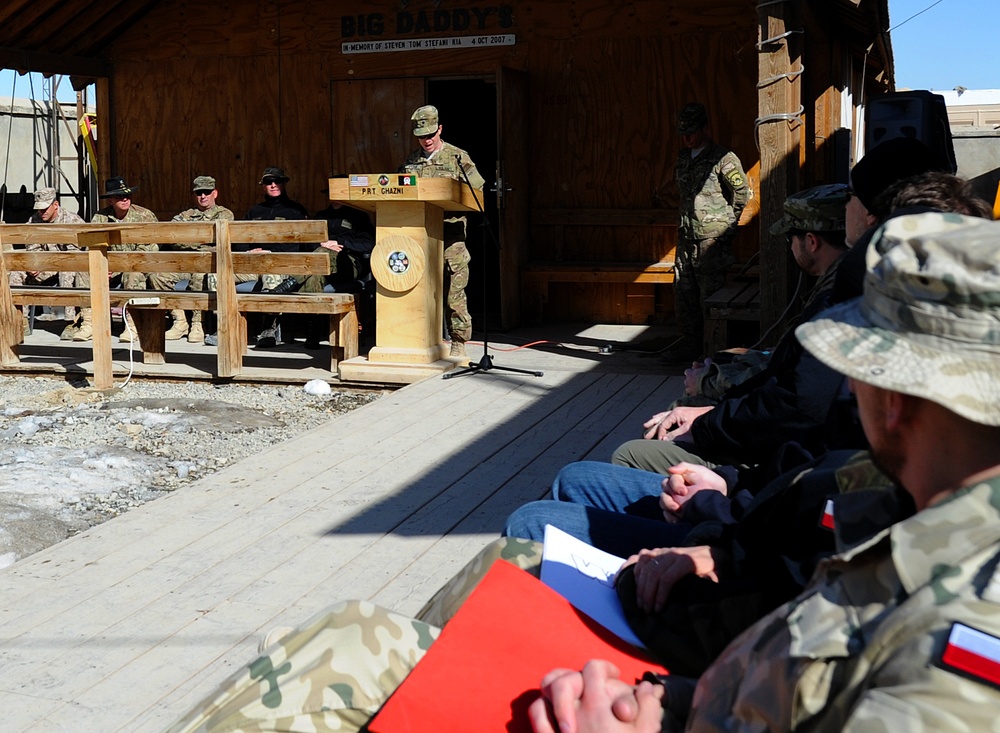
595, 700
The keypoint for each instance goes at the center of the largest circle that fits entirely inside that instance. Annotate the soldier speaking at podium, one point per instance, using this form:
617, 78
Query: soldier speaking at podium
438, 159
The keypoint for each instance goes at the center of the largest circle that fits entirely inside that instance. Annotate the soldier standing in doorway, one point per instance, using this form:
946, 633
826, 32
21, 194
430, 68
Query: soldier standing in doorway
713, 193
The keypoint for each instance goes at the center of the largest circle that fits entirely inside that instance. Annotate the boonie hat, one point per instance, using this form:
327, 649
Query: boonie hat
425, 120
928, 324
203, 183
277, 174
44, 198
117, 187
818, 209
691, 118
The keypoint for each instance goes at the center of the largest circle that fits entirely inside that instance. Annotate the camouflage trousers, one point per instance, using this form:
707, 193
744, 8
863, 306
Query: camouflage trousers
335, 671
456, 278
62, 279
700, 270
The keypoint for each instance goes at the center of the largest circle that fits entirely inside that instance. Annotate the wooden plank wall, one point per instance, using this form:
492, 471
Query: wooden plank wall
263, 82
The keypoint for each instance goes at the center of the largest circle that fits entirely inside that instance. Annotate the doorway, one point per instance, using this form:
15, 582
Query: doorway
468, 113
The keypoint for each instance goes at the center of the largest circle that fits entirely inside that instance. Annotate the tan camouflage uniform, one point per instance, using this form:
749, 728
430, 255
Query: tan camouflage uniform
66, 279
136, 213
196, 280
456, 255
713, 193
215, 213
861, 649
334, 672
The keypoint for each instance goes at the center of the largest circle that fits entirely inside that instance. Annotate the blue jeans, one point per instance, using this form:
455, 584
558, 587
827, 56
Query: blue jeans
613, 508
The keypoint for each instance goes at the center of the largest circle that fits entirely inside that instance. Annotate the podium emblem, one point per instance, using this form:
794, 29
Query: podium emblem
399, 262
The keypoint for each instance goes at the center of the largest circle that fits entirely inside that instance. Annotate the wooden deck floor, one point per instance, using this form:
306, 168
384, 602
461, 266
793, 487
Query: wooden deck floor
126, 626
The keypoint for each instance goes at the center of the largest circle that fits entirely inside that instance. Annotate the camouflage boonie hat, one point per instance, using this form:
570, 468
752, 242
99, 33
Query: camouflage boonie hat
203, 183
692, 117
425, 120
818, 209
928, 324
44, 198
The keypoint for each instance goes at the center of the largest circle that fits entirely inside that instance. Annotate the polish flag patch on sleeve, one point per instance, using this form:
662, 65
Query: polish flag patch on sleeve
826, 521
972, 653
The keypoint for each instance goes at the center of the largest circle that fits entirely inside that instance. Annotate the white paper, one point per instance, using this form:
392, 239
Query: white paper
585, 576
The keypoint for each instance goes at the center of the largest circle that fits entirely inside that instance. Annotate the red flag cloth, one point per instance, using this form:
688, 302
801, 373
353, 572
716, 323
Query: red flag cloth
484, 670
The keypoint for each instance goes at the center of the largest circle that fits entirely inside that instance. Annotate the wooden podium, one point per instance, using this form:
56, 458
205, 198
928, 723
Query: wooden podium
408, 265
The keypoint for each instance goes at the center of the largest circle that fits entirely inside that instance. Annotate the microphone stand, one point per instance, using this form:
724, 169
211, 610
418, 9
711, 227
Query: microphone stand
485, 364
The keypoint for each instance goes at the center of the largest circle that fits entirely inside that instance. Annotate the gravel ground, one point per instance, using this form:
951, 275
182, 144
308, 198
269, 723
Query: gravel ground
72, 457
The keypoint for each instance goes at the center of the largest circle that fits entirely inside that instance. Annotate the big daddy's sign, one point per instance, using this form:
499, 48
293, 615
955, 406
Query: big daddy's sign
408, 22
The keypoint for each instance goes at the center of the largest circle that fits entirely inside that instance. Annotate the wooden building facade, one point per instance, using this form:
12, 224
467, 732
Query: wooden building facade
568, 109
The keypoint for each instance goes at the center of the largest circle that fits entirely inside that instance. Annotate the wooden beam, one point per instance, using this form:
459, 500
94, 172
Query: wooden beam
97, 244
277, 232
778, 138
175, 232
52, 63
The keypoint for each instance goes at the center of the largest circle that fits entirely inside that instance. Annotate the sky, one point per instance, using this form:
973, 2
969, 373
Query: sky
949, 44
937, 45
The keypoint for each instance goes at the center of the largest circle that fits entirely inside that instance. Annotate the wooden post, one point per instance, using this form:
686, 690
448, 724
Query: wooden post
96, 243
232, 332
778, 99
11, 324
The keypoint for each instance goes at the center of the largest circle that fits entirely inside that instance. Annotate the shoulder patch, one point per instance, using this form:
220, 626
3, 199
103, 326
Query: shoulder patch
736, 179
826, 518
973, 654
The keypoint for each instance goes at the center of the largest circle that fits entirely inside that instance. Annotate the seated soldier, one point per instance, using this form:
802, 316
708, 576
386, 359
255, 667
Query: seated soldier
122, 210
48, 210
206, 208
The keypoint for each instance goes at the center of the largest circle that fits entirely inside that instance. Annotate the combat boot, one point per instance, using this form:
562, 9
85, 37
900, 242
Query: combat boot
180, 327
288, 285
86, 330
458, 349
197, 334
70, 331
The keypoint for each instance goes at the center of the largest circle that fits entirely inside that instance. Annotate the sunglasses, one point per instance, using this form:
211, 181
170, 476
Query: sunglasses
790, 236
203, 193
269, 181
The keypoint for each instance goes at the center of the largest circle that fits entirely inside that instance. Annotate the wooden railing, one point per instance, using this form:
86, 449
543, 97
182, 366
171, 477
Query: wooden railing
218, 259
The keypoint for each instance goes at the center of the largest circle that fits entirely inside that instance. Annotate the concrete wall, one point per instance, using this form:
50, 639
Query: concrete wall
30, 158
977, 152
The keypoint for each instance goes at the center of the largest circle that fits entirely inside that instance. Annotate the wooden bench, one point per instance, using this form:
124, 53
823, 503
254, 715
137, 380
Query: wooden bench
738, 300
536, 276
222, 262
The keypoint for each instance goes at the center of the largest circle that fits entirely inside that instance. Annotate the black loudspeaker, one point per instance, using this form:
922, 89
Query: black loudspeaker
918, 114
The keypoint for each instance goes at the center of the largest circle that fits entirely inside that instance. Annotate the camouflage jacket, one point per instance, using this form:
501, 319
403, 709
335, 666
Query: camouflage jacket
63, 217
713, 191
135, 214
899, 631
442, 164
213, 214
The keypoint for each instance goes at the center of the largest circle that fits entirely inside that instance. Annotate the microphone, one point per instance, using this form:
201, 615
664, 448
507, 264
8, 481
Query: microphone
458, 159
